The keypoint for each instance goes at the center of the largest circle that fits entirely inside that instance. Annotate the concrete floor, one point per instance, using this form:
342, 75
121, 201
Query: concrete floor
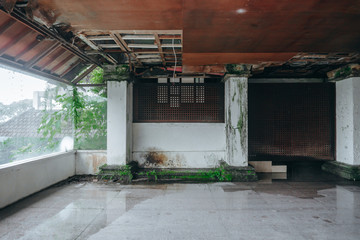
277, 209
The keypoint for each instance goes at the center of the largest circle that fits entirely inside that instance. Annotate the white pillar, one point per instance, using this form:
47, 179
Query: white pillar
119, 122
236, 120
348, 121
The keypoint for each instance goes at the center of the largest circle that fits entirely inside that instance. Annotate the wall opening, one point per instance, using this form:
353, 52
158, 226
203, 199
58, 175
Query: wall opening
289, 121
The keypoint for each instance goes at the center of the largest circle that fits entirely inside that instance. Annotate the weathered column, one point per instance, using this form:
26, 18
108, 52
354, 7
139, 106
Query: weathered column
119, 117
347, 162
236, 120
348, 121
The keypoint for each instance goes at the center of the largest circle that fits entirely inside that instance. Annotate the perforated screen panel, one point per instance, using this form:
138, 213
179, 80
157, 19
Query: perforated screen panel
179, 102
291, 120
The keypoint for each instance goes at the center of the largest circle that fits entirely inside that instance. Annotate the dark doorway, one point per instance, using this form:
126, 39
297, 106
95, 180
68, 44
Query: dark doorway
291, 121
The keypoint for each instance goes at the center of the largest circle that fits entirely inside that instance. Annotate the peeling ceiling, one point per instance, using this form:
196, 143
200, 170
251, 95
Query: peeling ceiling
279, 38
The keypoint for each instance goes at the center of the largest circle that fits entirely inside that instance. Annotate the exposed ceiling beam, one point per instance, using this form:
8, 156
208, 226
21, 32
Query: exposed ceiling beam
50, 60
171, 45
72, 66
119, 44
177, 32
135, 45
151, 60
107, 45
84, 74
178, 51
99, 38
97, 48
62, 63
94, 52
169, 37
148, 56
124, 46
158, 43
122, 41
139, 37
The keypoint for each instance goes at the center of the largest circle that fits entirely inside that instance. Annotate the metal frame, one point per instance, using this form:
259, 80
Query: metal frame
178, 102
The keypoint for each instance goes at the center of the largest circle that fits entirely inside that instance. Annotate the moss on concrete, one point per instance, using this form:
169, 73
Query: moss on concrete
223, 173
343, 170
121, 174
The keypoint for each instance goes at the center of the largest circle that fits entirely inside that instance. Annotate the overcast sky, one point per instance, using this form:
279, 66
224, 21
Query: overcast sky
16, 86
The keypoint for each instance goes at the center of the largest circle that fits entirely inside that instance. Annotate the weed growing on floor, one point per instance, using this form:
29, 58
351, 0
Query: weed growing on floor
216, 174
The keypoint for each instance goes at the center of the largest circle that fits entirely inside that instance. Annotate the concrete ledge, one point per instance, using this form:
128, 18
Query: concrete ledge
88, 161
351, 172
20, 179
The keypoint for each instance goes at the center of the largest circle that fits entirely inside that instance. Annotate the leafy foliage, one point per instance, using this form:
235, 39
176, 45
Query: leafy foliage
87, 112
96, 77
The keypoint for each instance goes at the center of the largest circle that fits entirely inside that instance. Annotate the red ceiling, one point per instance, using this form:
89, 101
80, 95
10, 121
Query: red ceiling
226, 30
117, 14
271, 26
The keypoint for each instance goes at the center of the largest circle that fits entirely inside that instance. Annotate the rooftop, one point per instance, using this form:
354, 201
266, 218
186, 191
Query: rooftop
27, 124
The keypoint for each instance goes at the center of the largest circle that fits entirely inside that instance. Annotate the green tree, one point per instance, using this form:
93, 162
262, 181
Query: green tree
87, 112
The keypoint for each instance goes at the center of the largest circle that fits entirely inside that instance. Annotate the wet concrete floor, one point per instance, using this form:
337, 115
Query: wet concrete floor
326, 208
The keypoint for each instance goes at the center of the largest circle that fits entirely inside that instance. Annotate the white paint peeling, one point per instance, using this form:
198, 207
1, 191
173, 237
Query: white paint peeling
236, 119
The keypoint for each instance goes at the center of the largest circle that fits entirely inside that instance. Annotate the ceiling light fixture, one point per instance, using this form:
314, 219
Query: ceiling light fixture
241, 11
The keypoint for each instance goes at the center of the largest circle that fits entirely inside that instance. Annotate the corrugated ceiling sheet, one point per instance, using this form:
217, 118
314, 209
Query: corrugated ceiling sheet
20, 47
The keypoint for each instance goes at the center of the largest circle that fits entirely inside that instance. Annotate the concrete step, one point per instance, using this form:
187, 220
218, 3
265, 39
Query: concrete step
267, 167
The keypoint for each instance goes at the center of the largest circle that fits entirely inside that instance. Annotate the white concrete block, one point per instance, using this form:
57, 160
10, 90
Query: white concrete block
20, 179
347, 121
89, 161
279, 168
262, 166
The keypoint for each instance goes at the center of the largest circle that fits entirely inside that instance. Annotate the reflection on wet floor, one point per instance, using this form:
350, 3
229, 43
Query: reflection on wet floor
319, 207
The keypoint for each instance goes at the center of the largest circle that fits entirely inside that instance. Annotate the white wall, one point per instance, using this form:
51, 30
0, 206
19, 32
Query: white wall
356, 119
118, 116
348, 121
23, 178
181, 145
89, 161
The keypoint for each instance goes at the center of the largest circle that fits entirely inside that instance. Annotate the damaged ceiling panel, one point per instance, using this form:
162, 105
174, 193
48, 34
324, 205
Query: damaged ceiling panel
30, 49
279, 38
142, 48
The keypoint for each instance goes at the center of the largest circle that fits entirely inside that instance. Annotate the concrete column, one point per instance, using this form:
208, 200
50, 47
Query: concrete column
348, 121
119, 119
236, 120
